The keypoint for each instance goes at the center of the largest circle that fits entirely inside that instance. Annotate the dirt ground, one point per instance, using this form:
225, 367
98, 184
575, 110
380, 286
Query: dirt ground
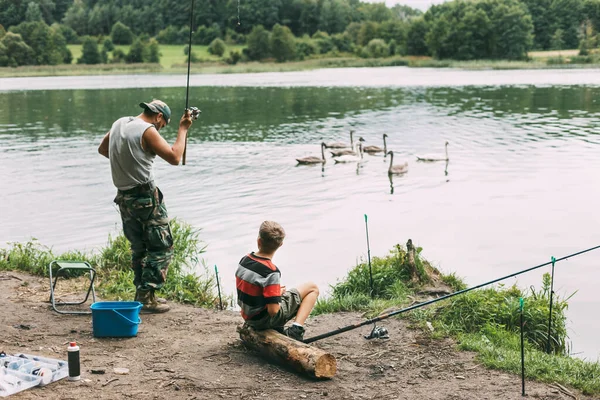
192, 353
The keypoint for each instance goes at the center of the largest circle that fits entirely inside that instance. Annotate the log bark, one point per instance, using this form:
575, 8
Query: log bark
297, 355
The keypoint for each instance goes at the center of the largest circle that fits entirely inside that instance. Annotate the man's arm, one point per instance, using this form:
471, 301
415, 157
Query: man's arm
155, 143
103, 148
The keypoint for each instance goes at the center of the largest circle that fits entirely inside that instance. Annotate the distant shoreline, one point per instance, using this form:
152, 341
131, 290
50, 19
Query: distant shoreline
365, 77
306, 65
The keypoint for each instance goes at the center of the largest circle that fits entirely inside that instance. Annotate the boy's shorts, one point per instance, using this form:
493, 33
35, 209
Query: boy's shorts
290, 303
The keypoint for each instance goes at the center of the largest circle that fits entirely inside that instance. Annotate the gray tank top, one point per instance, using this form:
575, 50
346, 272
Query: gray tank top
130, 164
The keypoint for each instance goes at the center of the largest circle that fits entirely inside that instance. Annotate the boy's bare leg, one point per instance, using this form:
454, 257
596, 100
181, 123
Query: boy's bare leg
309, 292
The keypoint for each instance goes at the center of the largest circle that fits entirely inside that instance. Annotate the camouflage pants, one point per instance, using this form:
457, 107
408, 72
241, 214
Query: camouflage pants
146, 226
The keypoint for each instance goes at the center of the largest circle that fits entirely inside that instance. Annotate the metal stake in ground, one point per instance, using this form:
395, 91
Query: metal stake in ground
187, 90
369, 257
522, 350
550, 313
218, 287
387, 315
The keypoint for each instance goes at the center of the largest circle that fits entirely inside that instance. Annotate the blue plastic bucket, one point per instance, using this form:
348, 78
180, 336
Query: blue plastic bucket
116, 318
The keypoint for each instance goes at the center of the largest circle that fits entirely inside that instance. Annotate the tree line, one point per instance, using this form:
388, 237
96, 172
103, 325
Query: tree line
295, 29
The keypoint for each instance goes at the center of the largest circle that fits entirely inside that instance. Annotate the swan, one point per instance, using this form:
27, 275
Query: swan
313, 159
377, 149
348, 158
346, 152
396, 169
434, 157
341, 145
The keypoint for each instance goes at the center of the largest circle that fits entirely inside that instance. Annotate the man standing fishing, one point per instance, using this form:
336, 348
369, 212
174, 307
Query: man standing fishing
131, 146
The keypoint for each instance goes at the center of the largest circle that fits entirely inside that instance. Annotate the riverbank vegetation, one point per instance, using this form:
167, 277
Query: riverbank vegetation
486, 321
113, 267
111, 33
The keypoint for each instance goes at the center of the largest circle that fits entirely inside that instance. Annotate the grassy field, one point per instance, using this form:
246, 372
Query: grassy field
552, 53
172, 56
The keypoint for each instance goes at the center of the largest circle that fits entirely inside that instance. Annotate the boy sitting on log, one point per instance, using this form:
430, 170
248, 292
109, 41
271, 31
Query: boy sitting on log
264, 303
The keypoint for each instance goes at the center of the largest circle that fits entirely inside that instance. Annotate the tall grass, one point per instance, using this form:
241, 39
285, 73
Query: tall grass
485, 320
113, 266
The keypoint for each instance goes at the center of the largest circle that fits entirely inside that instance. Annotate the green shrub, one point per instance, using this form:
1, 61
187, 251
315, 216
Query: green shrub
377, 48
217, 47
234, 57
121, 34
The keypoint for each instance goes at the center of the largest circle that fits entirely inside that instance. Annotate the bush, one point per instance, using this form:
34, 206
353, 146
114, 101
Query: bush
139, 52
306, 47
118, 56
68, 33
323, 41
153, 51
217, 48
283, 43
172, 35
121, 34
259, 43
89, 52
186, 51
377, 48
205, 36
234, 57
232, 37
108, 45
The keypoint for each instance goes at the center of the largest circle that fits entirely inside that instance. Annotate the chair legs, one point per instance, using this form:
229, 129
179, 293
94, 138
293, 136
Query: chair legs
63, 267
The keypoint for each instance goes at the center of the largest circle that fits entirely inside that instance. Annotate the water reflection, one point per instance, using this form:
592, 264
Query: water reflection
511, 146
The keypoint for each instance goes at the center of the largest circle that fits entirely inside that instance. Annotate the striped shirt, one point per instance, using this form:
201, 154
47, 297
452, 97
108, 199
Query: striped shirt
258, 284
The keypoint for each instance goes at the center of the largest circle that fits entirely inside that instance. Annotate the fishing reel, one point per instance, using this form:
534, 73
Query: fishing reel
194, 112
378, 332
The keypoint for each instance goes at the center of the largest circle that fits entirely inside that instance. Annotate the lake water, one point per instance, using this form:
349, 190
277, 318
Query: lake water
520, 186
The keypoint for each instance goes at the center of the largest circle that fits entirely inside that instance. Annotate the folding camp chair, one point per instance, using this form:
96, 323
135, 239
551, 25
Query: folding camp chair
63, 268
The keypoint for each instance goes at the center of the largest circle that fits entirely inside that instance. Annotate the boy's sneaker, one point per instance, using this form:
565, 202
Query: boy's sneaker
296, 332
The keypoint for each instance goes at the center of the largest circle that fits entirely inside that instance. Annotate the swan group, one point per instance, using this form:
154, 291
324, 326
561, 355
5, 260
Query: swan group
355, 154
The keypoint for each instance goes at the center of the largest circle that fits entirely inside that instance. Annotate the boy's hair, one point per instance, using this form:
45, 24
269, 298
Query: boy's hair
271, 235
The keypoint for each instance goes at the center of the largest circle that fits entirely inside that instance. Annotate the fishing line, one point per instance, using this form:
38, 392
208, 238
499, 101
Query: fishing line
387, 315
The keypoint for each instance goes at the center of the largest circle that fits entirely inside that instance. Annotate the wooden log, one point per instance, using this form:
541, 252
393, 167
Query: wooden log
282, 349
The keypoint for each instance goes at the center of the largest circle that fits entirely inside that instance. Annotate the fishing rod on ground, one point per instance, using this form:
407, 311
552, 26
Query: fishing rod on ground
376, 330
194, 111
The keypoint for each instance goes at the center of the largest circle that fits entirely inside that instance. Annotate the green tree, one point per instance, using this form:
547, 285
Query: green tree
76, 17
567, 15
68, 33
334, 16
121, 34
153, 51
415, 38
557, 41
323, 41
283, 43
543, 21
14, 51
172, 35
89, 52
33, 12
475, 28
2, 32
217, 47
368, 31
259, 43
513, 30
101, 19
49, 46
138, 52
